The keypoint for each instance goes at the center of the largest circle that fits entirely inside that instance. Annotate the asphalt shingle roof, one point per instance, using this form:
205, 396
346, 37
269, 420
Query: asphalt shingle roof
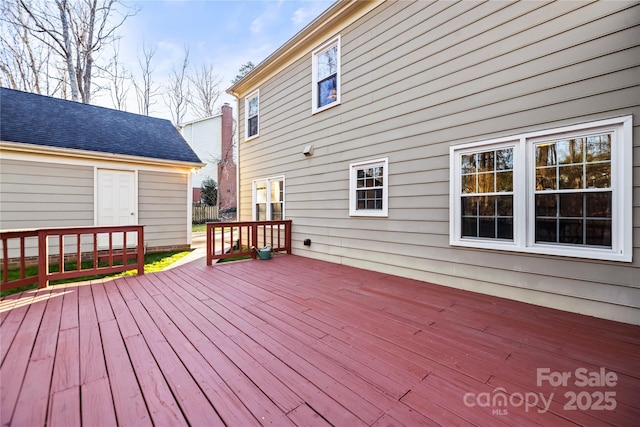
42, 120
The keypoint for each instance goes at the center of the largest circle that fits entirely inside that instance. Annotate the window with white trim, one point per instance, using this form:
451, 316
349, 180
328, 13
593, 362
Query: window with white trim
268, 199
368, 188
563, 191
251, 108
326, 76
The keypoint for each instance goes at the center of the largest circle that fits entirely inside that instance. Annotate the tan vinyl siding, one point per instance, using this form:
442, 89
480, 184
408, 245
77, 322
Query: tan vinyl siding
162, 205
34, 194
418, 77
37, 195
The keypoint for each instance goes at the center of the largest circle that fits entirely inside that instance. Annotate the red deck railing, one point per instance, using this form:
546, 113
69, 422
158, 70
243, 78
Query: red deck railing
41, 244
235, 239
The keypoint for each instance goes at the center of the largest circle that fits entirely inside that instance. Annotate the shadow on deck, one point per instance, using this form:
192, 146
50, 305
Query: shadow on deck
295, 341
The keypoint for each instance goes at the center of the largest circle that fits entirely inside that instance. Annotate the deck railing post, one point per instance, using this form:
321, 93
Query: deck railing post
210, 243
5, 260
43, 259
287, 233
254, 238
141, 249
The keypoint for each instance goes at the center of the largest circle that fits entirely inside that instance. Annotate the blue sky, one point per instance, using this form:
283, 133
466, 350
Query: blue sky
225, 33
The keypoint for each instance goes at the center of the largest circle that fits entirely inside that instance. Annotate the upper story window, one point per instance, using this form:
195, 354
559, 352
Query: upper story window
251, 108
562, 192
368, 188
326, 76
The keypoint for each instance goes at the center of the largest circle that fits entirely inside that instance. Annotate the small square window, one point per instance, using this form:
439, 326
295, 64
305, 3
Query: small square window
368, 188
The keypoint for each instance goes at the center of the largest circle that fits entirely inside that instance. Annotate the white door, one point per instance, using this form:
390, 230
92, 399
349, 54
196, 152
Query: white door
116, 204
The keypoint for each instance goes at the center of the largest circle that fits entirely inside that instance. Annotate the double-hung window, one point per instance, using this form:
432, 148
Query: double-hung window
251, 108
268, 199
368, 188
326, 76
563, 191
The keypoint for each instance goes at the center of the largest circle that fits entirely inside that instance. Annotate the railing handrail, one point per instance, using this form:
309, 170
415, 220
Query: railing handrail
43, 234
250, 235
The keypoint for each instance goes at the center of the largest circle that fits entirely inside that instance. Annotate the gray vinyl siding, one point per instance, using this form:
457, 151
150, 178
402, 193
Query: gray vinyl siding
162, 207
419, 77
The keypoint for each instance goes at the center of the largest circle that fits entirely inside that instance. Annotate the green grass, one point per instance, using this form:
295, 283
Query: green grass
152, 263
196, 228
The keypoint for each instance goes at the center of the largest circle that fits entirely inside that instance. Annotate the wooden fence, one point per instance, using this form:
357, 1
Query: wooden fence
234, 239
84, 245
204, 213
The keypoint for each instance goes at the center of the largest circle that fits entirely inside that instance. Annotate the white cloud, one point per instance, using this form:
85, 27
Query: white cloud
269, 15
304, 15
257, 24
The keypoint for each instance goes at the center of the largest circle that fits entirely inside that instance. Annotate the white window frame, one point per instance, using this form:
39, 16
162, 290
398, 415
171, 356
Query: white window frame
254, 197
621, 129
247, 99
314, 75
353, 200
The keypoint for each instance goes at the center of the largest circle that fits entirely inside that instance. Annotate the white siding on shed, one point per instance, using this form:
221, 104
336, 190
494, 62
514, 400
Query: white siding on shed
204, 137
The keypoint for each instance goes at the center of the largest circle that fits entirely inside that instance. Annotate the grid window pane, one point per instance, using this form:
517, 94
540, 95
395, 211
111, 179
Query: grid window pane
369, 184
468, 163
570, 177
598, 205
546, 205
570, 231
487, 227
598, 148
580, 165
469, 184
598, 175
546, 230
486, 182
598, 232
546, 178
504, 228
571, 204
469, 226
569, 152
487, 185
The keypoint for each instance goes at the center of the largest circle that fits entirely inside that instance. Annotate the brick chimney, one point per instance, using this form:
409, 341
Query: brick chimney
226, 167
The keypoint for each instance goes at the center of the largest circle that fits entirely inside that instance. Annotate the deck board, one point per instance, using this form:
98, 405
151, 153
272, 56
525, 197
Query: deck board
294, 341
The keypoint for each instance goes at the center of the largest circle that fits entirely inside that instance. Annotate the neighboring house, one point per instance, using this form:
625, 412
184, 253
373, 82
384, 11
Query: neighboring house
66, 164
212, 138
484, 146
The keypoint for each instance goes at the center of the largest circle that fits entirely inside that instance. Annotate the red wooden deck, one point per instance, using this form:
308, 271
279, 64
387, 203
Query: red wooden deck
293, 341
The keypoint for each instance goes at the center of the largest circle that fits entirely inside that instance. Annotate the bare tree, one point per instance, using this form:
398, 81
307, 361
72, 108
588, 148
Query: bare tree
146, 89
24, 60
206, 85
74, 31
118, 78
178, 91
